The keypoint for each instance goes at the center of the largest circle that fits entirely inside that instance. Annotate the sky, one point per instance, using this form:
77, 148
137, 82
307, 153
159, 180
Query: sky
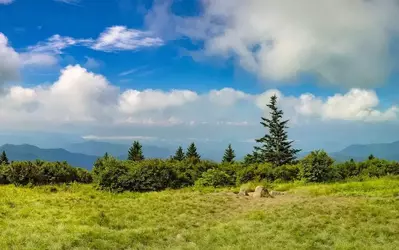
198, 70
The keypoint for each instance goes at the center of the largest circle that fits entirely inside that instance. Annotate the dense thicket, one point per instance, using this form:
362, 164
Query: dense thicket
41, 173
154, 175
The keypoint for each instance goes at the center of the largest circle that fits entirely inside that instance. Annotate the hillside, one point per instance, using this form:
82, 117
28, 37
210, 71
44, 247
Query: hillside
26, 152
388, 151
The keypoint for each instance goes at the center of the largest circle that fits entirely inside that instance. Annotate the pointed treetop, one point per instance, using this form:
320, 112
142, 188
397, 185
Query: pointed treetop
229, 155
274, 146
4, 159
179, 155
135, 152
192, 152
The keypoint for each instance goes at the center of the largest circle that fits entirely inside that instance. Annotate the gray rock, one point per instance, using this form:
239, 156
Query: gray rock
243, 192
261, 192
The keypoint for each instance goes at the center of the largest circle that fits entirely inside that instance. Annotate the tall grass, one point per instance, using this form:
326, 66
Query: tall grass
355, 215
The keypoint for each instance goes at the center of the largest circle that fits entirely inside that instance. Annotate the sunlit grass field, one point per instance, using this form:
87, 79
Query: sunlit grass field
354, 215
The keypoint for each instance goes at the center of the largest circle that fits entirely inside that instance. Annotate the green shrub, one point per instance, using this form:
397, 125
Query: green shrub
83, 176
152, 175
3, 176
215, 178
343, 171
246, 174
42, 173
188, 171
316, 167
287, 172
265, 171
113, 175
22, 173
377, 168
55, 173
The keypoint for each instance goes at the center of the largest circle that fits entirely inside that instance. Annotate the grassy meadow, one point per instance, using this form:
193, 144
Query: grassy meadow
353, 215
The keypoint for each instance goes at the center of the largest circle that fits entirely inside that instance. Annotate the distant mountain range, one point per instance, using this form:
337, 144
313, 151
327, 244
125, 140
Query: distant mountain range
78, 154
28, 152
85, 154
388, 151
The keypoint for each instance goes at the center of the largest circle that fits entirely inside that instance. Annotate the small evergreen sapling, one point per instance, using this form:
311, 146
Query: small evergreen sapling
229, 155
192, 152
135, 152
4, 159
179, 155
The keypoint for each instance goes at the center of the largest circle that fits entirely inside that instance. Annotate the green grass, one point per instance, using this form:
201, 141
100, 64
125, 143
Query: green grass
355, 215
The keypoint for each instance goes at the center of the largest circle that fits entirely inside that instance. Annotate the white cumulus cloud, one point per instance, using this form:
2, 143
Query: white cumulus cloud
6, 1
355, 105
10, 61
121, 38
341, 42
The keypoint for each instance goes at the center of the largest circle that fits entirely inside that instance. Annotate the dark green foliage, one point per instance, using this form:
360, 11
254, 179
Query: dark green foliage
346, 170
316, 166
4, 159
229, 155
22, 173
189, 171
136, 152
371, 157
42, 173
152, 175
215, 178
253, 158
192, 153
287, 172
112, 175
3, 175
275, 146
83, 176
179, 155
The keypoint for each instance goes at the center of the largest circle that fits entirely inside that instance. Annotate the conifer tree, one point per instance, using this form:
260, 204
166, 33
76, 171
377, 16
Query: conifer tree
229, 155
192, 152
106, 156
275, 146
371, 157
4, 159
135, 152
179, 155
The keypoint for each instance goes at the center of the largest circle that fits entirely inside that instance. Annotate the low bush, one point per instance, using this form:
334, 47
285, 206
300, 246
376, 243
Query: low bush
215, 178
152, 175
188, 172
112, 175
316, 167
22, 173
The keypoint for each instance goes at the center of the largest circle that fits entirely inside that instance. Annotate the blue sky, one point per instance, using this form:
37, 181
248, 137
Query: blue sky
183, 70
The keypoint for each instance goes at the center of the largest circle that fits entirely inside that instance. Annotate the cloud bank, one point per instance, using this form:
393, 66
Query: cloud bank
82, 97
341, 42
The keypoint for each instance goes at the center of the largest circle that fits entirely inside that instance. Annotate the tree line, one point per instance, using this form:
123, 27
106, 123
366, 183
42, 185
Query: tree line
272, 159
274, 147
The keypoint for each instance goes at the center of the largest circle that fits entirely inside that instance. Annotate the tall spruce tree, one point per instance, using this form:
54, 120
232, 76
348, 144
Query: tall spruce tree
229, 155
275, 146
179, 155
4, 159
135, 152
192, 152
